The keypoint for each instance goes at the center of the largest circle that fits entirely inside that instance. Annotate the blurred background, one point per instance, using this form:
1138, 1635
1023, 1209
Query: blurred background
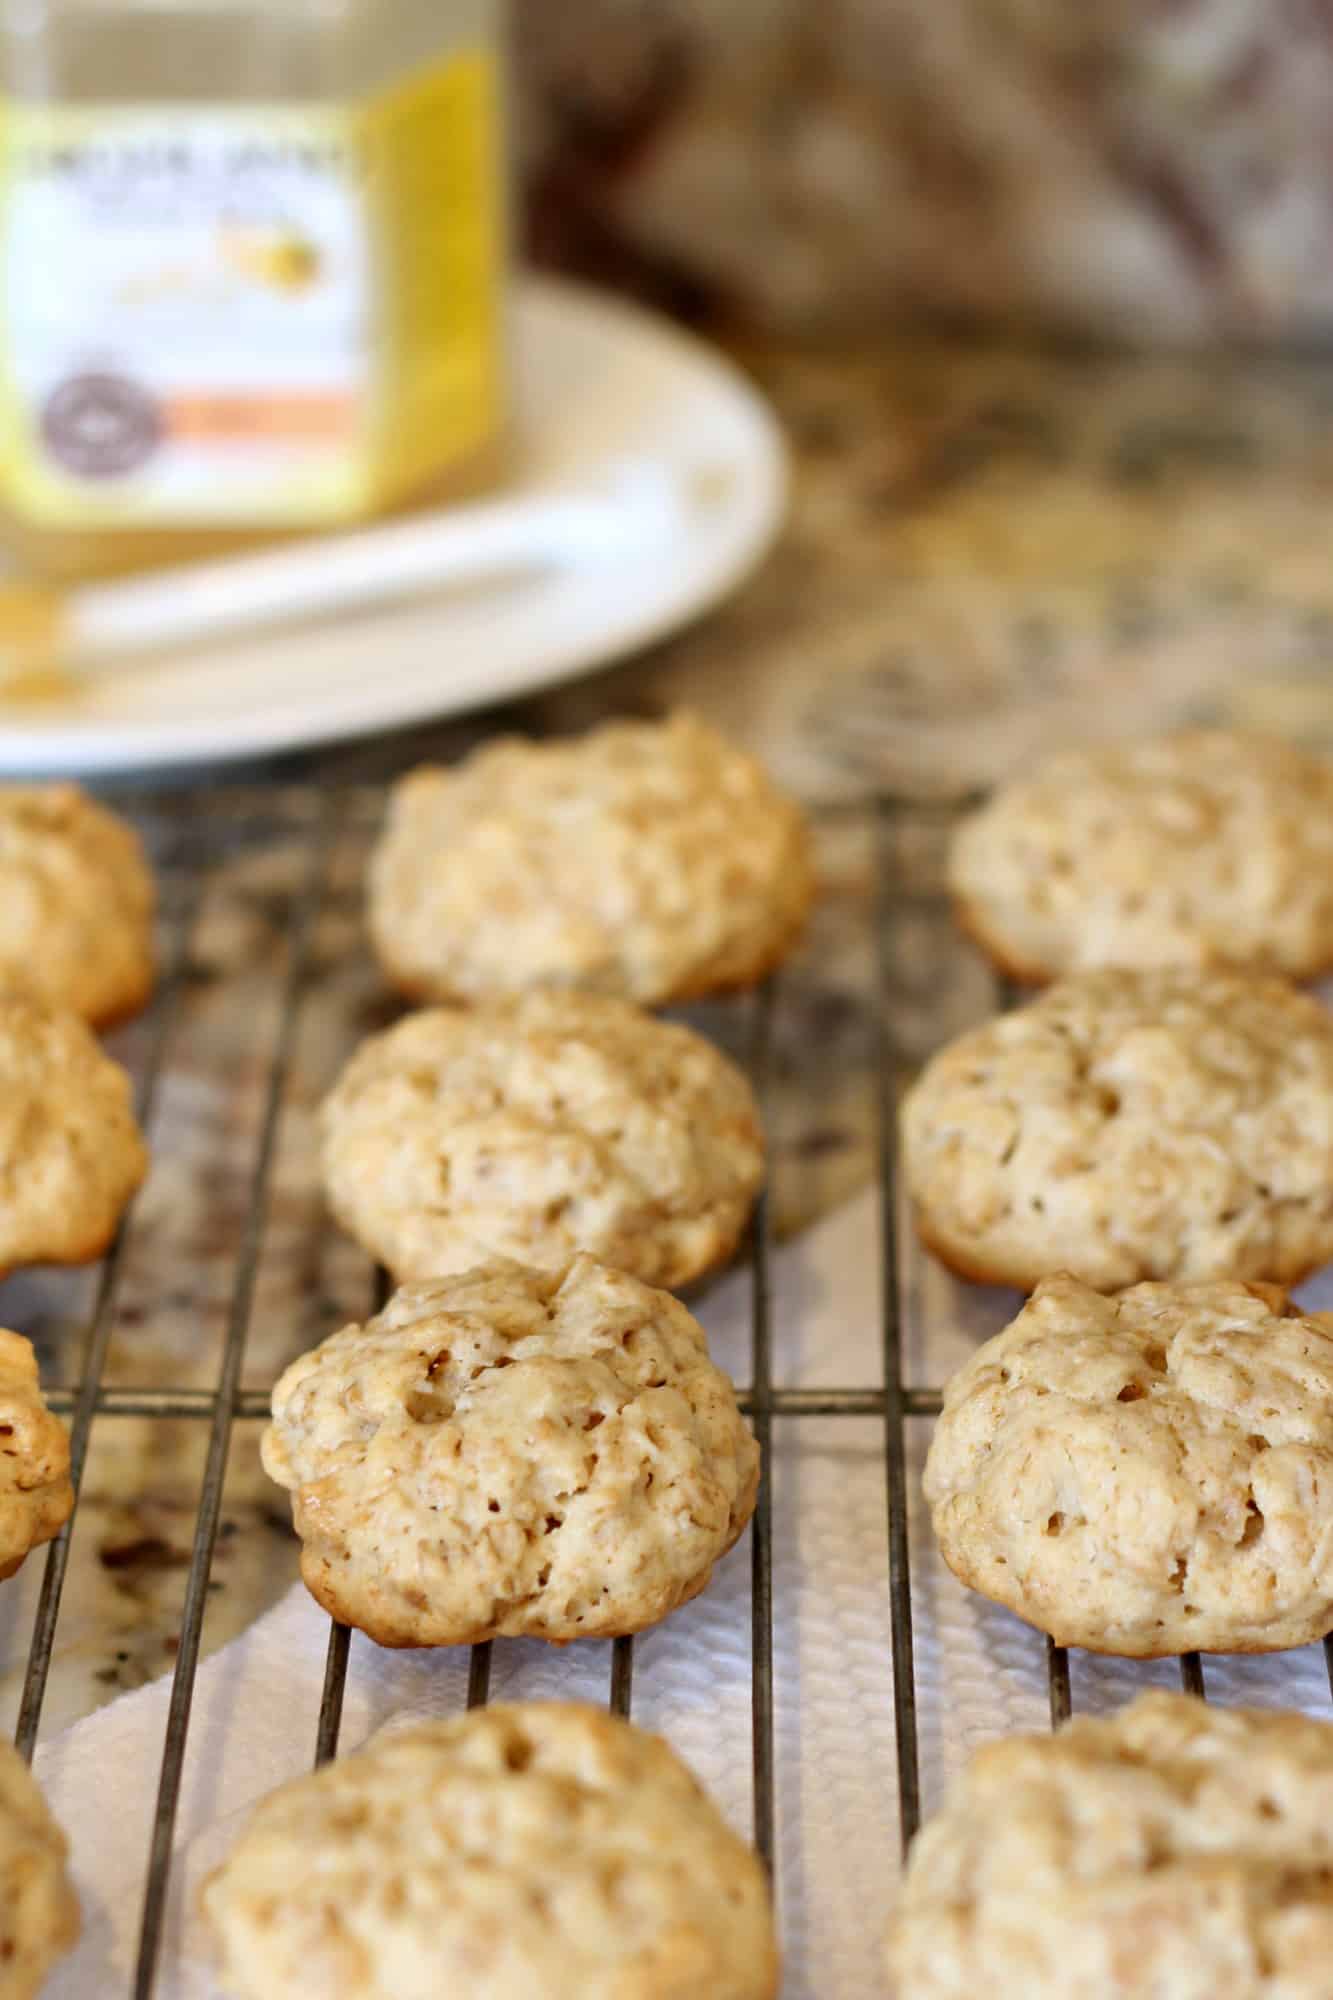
1145, 170
1043, 293
1040, 297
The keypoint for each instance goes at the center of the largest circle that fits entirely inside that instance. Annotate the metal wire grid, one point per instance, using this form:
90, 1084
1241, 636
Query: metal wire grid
191, 851
187, 857
892, 818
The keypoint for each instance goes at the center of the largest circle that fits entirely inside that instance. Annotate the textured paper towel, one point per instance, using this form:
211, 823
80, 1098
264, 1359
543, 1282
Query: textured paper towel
980, 1671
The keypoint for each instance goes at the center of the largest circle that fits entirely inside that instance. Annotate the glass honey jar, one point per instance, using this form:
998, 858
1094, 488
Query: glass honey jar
252, 265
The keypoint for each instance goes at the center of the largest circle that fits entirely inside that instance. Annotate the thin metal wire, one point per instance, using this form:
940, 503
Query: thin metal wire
154, 1402
335, 1662
86, 1400
210, 1498
622, 1675
761, 1417
331, 1701
1059, 1695
1057, 1681
253, 1404
479, 1675
895, 1434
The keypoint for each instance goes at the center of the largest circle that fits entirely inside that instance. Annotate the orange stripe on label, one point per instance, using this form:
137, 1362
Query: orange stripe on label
324, 418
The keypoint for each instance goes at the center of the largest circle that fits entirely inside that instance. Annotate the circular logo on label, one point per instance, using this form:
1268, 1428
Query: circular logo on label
101, 426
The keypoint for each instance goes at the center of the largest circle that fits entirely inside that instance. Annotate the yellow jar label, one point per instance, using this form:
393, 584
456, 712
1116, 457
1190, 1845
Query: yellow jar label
255, 313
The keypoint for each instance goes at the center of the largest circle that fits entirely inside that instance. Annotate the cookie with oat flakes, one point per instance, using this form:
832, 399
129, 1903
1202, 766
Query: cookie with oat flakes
525, 1851
1146, 1474
512, 1453
1176, 1849
1206, 848
1131, 1125
537, 1127
76, 903
653, 860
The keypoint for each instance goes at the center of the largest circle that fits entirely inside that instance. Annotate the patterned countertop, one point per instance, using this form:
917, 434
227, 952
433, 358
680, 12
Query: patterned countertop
993, 548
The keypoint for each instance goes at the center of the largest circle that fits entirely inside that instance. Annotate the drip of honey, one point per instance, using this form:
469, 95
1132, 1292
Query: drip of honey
33, 664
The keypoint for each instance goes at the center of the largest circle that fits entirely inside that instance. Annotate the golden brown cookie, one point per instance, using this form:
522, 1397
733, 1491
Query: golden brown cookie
36, 1498
512, 1453
1146, 1474
1176, 1850
647, 859
76, 903
1131, 1125
71, 1154
39, 1912
534, 1128
1207, 848
527, 1851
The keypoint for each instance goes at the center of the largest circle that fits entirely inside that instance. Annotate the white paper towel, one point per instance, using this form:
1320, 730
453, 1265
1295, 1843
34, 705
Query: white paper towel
980, 1671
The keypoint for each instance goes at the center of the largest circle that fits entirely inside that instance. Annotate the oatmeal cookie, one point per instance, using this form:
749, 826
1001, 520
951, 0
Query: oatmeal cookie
76, 903
1212, 847
534, 1128
526, 1851
1131, 1125
513, 1453
36, 1498
39, 1912
647, 859
1146, 1474
1175, 1849
71, 1154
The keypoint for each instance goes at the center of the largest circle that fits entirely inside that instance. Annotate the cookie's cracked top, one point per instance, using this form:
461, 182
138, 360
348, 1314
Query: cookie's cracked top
1145, 1474
1176, 1849
538, 1127
647, 859
1127, 1126
523, 1850
1211, 847
512, 1452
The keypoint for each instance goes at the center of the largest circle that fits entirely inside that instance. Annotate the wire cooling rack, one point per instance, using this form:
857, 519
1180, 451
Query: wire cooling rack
191, 841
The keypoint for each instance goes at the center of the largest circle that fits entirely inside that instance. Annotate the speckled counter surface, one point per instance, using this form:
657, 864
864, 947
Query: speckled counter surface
988, 551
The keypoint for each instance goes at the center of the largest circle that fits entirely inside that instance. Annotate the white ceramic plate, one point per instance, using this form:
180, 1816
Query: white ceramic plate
598, 381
